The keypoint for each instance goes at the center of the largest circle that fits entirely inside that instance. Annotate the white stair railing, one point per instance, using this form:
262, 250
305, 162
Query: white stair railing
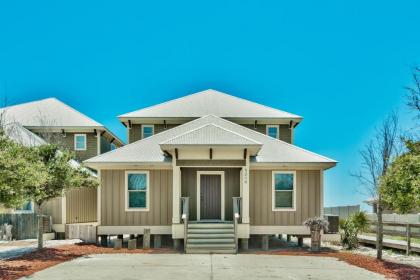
236, 218
185, 216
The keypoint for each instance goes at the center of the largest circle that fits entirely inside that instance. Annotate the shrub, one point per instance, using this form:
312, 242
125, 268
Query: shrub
361, 221
348, 234
350, 227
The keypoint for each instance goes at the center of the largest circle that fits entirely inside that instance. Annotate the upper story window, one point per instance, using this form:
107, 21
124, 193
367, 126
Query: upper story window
284, 190
137, 190
113, 147
273, 131
80, 142
147, 131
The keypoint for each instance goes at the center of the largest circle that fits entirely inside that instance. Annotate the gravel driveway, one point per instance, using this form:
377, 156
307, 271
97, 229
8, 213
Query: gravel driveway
180, 266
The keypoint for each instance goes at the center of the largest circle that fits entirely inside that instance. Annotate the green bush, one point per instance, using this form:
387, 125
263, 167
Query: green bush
348, 234
349, 228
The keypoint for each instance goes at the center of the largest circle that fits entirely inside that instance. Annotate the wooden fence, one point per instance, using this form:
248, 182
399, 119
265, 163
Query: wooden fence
407, 233
25, 225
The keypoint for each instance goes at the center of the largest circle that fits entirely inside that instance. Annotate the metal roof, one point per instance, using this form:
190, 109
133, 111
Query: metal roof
50, 112
210, 134
210, 102
148, 151
23, 136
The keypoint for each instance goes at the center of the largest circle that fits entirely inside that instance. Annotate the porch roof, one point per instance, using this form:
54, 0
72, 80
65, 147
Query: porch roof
210, 134
148, 150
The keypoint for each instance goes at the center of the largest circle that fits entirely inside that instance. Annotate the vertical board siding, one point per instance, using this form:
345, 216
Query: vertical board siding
307, 199
189, 188
53, 208
135, 130
81, 205
113, 200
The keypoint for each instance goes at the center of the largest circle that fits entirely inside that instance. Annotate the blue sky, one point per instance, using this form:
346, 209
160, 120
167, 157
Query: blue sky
341, 65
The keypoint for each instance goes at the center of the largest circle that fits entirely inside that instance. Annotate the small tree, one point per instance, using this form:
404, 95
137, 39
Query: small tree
376, 159
61, 177
19, 169
400, 187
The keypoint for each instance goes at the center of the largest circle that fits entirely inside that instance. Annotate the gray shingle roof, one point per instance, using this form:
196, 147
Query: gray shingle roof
210, 102
210, 134
148, 150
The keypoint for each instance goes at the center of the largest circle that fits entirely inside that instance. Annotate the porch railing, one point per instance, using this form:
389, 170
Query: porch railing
185, 216
236, 218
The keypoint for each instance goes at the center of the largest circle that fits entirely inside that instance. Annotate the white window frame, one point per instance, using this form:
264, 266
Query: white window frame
147, 125
273, 191
75, 142
273, 126
139, 209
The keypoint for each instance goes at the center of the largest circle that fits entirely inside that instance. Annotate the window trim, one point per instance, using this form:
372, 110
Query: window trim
138, 209
147, 125
75, 141
273, 191
271, 126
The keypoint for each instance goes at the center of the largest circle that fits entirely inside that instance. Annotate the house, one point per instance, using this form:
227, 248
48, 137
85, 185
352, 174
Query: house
51, 121
211, 170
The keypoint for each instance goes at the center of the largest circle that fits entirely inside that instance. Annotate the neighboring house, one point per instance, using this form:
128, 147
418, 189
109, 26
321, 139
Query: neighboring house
49, 120
228, 157
373, 202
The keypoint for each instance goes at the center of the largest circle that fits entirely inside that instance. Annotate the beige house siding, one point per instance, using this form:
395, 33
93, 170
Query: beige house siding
135, 131
308, 192
113, 200
53, 208
189, 188
91, 145
81, 205
284, 130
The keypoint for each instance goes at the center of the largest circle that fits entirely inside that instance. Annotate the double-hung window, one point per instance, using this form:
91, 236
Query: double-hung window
80, 142
137, 190
273, 131
284, 190
147, 131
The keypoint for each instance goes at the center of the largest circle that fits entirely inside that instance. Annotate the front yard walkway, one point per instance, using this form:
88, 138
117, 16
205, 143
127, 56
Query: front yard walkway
181, 266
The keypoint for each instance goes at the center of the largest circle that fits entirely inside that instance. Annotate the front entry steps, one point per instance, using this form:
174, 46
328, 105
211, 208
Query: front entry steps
216, 238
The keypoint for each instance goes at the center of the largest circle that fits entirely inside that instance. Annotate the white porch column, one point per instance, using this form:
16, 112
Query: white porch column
176, 192
245, 192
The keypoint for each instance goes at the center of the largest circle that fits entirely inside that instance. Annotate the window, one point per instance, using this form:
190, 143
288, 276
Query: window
147, 131
113, 147
284, 190
273, 131
80, 142
137, 187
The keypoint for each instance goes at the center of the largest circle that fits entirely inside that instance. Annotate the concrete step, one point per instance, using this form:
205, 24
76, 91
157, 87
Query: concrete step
211, 241
210, 251
211, 246
211, 225
210, 235
210, 231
